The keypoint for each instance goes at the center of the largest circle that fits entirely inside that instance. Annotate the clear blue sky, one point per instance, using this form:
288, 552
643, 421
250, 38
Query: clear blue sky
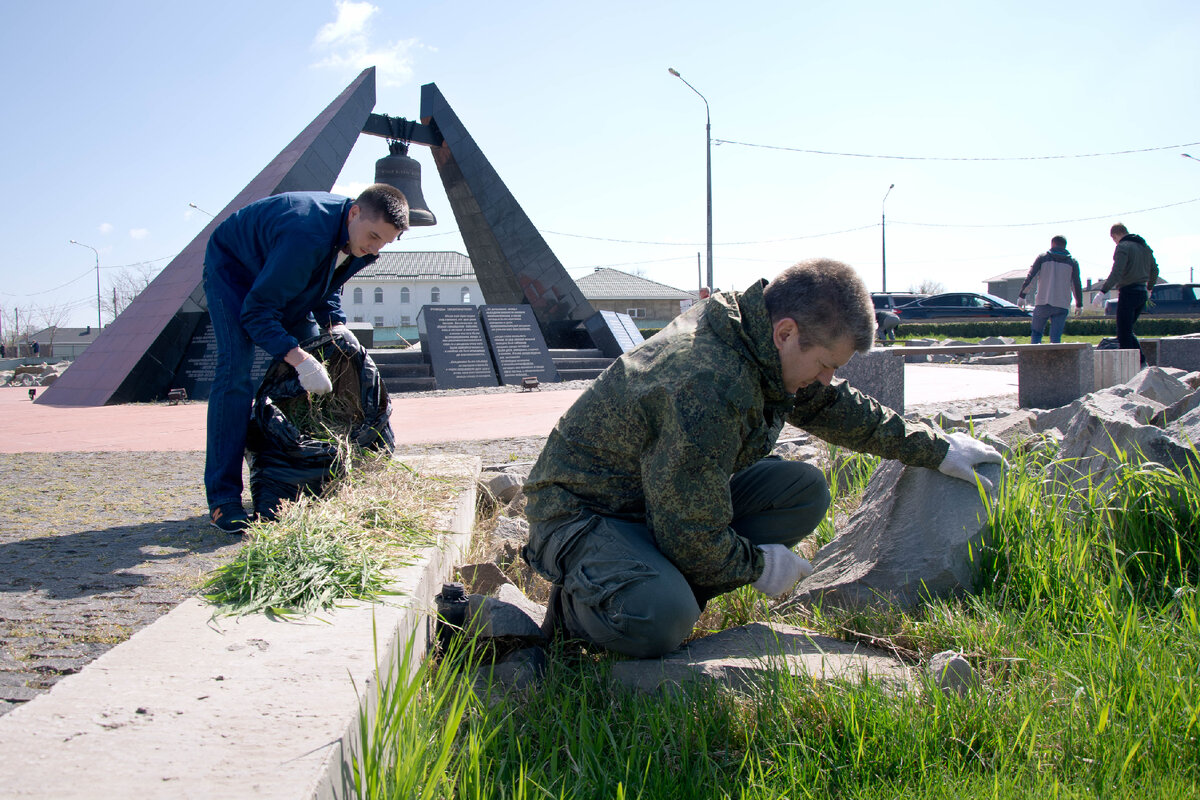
118, 115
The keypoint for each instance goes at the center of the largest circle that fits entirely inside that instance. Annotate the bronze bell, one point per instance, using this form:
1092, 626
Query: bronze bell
404, 173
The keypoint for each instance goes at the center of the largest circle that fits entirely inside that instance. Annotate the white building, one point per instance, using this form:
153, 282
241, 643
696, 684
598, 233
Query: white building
389, 293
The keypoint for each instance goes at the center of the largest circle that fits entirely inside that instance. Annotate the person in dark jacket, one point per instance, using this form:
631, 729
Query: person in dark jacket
1057, 276
273, 273
654, 492
885, 326
1134, 273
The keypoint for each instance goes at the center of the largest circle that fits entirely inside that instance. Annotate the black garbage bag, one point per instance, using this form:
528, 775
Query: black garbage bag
297, 442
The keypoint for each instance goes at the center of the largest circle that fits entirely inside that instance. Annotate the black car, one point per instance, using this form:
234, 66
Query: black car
960, 305
1167, 298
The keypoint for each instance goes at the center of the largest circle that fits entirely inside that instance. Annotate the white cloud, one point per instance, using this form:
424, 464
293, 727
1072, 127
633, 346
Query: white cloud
350, 24
347, 45
138, 233
105, 228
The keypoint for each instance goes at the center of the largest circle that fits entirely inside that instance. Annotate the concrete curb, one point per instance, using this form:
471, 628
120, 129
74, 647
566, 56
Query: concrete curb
196, 707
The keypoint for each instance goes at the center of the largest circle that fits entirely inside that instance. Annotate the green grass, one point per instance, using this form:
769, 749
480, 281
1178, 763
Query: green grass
322, 551
1085, 634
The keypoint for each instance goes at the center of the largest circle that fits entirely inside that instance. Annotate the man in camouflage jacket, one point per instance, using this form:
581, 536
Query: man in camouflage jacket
654, 492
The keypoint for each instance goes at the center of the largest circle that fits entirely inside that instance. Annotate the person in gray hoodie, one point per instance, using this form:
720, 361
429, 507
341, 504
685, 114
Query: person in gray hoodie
1057, 276
1133, 275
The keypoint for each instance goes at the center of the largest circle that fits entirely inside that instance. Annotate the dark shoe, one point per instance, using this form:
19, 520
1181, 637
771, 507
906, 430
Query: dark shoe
230, 518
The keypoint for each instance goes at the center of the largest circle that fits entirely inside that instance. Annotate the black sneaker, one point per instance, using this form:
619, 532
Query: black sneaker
230, 518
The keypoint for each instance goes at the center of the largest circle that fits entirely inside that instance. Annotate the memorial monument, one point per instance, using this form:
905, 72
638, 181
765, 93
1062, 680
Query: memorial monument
160, 341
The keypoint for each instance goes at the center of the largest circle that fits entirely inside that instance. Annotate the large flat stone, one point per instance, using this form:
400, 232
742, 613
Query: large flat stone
912, 538
746, 656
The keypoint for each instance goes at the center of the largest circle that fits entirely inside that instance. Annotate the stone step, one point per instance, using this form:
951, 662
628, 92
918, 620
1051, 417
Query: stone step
578, 374
396, 356
404, 370
589, 352
400, 385
582, 363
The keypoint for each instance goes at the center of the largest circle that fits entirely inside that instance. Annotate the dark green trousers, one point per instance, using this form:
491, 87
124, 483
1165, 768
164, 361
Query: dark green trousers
620, 592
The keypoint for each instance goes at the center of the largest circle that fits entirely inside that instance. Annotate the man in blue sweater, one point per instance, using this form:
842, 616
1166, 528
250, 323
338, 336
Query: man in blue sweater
273, 273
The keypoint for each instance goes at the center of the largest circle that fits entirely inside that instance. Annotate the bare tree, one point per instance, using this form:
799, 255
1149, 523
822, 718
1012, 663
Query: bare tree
18, 325
51, 318
124, 287
927, 286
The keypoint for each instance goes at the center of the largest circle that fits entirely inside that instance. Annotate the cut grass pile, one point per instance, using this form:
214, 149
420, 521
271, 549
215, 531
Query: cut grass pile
1085, 636
323, 550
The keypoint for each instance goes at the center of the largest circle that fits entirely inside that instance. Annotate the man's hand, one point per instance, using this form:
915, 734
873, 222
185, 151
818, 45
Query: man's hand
781, 570
1021, 300
964, 453
344, 332
313, 376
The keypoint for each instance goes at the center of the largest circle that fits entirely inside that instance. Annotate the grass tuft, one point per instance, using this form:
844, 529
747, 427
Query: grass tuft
322, 551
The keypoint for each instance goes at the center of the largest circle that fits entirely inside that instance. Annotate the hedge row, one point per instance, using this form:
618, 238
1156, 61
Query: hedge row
1076, 326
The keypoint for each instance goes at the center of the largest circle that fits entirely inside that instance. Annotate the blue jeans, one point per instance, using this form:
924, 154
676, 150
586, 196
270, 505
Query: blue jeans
1131, 300
618, 589
1058, 321
231, 397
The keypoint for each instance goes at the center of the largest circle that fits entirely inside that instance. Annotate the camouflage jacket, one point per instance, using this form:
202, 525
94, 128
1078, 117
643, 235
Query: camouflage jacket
657, 436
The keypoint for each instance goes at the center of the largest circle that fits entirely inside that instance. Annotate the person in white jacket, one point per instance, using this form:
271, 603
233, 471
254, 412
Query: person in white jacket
1057, 276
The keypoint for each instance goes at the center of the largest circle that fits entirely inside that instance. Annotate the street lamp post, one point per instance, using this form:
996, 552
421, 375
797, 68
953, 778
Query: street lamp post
1187, 155
198, 208
99, 323
883, 233
708, 168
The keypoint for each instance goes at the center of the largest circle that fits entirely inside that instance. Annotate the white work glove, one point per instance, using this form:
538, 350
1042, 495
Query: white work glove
344, 332
313, 376
964, 453
781, 570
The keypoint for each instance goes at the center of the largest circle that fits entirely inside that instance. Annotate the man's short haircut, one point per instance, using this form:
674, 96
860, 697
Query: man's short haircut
1058, 241
827, 300
381, 201
1118, 228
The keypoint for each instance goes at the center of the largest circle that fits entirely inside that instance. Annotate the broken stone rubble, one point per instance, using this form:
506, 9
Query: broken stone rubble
30, 375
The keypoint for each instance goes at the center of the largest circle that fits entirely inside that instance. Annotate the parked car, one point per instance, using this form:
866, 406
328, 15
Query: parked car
960, 305
1166, 298
889, 301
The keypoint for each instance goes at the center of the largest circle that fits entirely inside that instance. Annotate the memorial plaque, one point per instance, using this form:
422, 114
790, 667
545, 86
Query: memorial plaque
199, 364
517, 344
613, 333
452, 342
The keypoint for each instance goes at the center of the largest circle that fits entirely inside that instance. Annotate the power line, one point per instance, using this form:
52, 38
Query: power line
1049, 222
55, 289
953, 158
700, 244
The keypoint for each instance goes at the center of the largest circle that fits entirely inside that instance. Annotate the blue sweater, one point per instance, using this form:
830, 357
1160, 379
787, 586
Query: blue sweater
279, 254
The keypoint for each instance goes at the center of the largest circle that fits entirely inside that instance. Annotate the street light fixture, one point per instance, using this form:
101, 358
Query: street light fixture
1193, 158
198, 208
99, 323
883, 233
708, 173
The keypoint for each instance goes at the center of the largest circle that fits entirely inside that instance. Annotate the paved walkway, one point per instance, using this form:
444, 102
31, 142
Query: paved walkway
27, 427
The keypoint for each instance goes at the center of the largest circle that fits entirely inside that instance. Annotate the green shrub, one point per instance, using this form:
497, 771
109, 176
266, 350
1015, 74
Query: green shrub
1076, 326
